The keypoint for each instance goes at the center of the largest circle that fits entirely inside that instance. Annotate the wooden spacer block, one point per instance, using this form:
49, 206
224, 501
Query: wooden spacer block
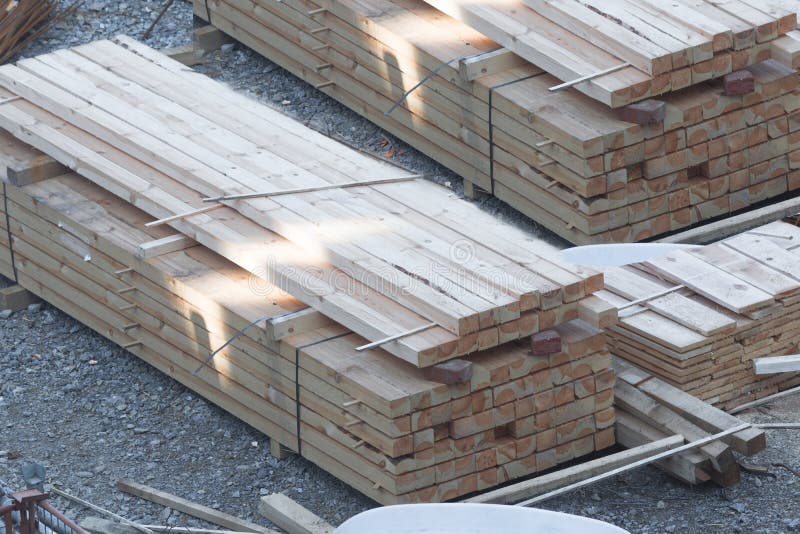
16, 298
740, 82
546, 342
645, 112
450, 372
208, 38
277, 450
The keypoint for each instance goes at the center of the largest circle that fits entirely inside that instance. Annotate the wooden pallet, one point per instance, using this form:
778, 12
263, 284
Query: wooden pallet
721, 306
564, 160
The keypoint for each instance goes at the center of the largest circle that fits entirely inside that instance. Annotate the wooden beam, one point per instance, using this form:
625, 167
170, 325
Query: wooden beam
777, 364
16, 298
640, 463
544, 483
704, 415
193, 509
326, 187
303, 320
489, 63
24, 164
765, 400
165, 245
737, 224
292, 517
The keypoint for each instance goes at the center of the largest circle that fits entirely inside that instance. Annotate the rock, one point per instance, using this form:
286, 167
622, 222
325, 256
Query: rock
792, 524
738, 507
661, 505
36, 307
5, 314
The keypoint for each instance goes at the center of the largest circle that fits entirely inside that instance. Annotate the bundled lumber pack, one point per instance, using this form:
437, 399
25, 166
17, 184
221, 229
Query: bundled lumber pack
370, 321
697, 318
593, 161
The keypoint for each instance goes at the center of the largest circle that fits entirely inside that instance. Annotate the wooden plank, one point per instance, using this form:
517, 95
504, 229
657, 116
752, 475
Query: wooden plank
777, 364
193, 509
738, 223
488, 63
712, 282
725, 470
165, 245
747, 442
24, 165
544, 483
603, 32
292, 517
295, 322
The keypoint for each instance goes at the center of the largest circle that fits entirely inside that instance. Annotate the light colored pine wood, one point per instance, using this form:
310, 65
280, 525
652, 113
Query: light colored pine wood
292, 517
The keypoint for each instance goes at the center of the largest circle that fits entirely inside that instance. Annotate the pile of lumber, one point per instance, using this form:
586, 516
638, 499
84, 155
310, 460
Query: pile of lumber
488, 361
698, 318
569, 159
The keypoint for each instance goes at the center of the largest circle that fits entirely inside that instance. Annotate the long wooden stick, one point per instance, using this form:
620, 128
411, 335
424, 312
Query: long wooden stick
777, 426
635, 465
526, 488
179, 216
589, 77
326, 187
196, 510
395, 337
765, 400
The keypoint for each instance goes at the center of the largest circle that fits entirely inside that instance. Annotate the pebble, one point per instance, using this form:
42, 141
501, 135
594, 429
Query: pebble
36, 307
738, 507
5, 314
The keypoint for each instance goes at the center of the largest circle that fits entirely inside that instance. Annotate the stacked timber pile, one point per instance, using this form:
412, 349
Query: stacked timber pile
722, 136
697, 318
414, 347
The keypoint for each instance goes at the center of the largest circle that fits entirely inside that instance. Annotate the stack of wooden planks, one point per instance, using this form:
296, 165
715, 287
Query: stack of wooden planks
697, 318
563, 158
326, 265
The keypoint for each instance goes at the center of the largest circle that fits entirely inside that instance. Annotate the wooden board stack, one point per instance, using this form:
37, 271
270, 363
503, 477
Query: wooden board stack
143, 135
564, 159
702, 315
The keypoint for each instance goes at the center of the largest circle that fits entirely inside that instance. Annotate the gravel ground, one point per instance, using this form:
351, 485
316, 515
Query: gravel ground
93, 413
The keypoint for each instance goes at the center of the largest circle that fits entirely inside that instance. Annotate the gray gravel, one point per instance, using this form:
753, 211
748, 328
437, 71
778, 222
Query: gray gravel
93, 413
